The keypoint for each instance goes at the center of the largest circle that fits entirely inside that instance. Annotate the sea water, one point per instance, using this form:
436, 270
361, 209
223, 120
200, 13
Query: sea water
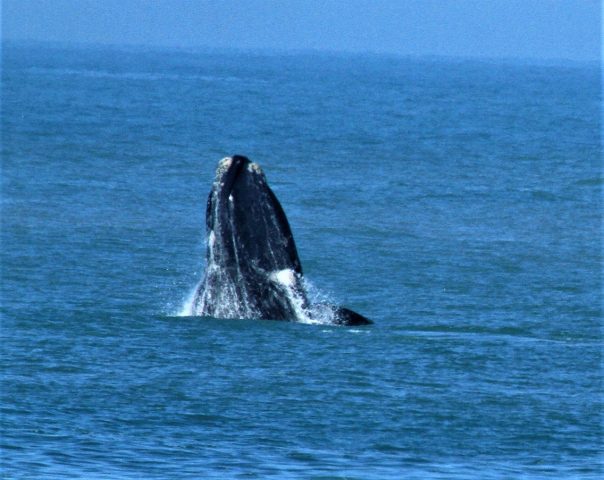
456, 203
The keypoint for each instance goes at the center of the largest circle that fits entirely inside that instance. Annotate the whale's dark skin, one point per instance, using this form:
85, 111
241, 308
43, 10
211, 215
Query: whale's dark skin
253, 269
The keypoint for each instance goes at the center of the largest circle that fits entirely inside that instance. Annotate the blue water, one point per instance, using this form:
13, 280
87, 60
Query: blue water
458, 204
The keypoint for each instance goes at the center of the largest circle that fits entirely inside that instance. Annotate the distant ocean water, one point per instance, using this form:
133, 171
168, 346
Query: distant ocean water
458, 204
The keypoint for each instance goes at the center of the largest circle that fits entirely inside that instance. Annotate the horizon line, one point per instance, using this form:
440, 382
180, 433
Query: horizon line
199, 48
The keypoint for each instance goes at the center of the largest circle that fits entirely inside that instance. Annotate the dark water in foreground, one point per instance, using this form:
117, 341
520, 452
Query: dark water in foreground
457, 204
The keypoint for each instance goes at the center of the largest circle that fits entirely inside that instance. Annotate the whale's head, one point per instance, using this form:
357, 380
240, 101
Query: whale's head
253, 269
246, 223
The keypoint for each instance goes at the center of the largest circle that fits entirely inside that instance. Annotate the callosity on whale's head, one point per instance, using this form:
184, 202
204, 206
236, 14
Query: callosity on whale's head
253, 269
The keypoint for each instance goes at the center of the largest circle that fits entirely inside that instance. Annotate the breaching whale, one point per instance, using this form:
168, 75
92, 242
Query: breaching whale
252, 265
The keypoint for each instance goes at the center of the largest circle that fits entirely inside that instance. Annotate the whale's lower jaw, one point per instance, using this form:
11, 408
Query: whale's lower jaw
253, 269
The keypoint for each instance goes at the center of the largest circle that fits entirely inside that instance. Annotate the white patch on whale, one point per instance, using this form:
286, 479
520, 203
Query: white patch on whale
254, 168
289, 280
286, 277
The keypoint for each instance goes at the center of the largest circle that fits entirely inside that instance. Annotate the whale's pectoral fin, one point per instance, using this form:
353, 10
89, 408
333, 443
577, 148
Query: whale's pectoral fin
345, 316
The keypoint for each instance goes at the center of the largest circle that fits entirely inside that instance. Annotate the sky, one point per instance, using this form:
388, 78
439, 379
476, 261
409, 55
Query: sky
526, 29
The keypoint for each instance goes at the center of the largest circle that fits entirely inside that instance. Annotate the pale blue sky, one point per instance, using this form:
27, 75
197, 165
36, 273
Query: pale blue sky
533, 29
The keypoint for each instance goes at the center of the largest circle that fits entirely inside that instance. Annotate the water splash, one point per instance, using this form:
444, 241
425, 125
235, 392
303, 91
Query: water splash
322, 308
317, 308
187, 309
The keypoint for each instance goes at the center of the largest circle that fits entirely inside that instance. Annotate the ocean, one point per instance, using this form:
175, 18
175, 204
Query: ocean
457, 203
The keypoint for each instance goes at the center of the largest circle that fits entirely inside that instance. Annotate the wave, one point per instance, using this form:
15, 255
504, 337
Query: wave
142, 76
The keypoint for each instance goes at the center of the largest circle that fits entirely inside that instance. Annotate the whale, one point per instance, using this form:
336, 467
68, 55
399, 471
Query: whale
253, 270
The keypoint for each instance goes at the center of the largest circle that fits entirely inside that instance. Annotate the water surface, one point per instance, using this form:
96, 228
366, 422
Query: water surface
456, 203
